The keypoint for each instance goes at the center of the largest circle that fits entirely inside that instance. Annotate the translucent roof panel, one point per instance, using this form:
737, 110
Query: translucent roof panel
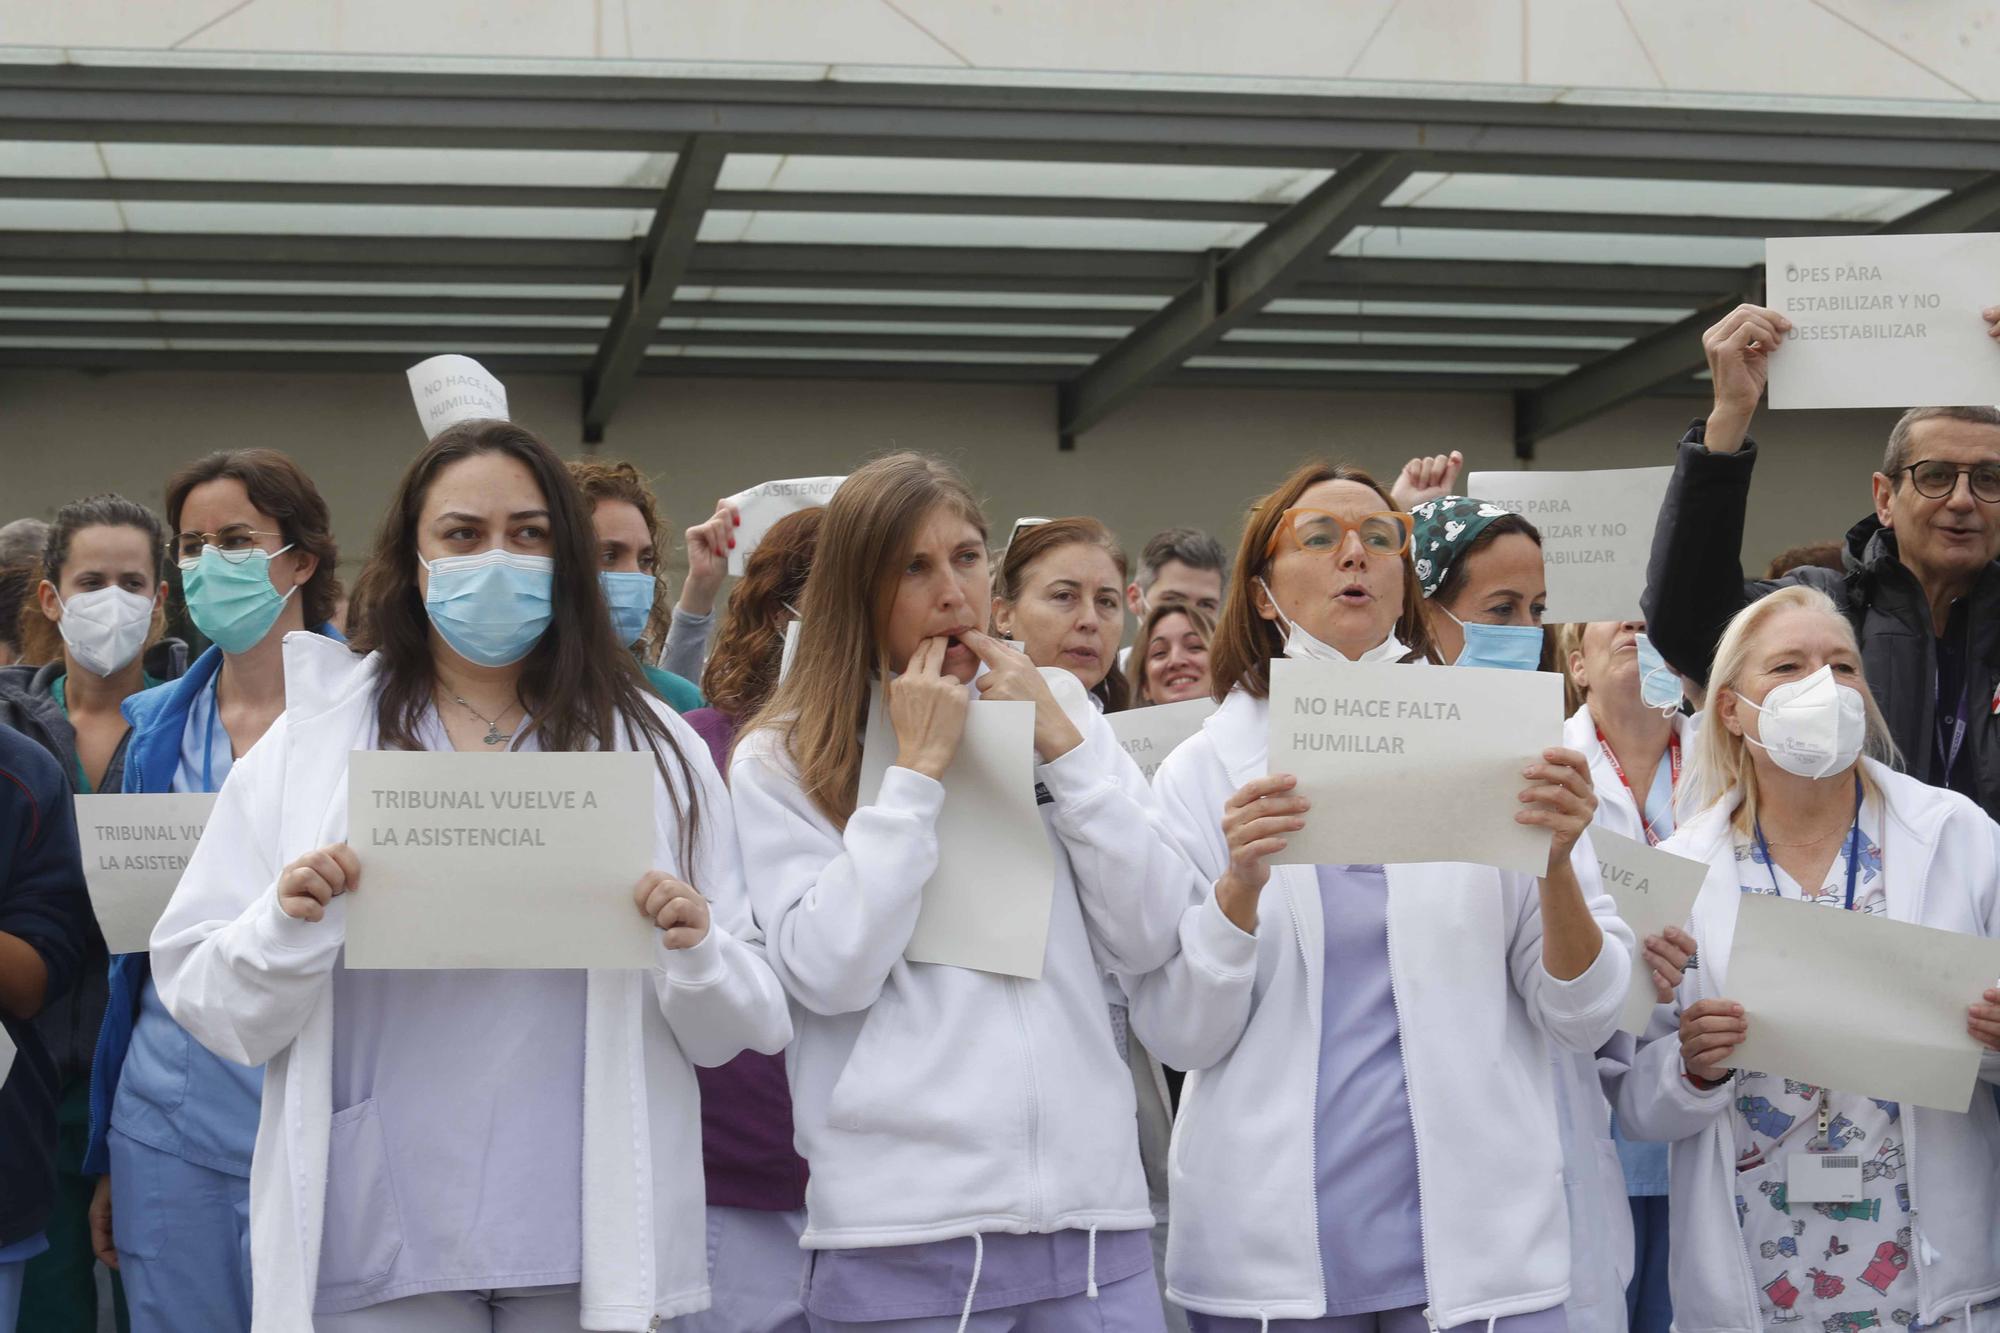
1604, 194
367, 166
579, 224
1372, 338
873, 354
1100, 180
471, 346
1562, 247
1557, 367
932, 229
38, 284
59, 215
1000, 300
475, 289
925, 328
1644, 314
137, 314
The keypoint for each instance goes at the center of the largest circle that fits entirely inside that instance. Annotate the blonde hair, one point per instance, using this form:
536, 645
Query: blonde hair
821, 707
1569, 641
1720, 763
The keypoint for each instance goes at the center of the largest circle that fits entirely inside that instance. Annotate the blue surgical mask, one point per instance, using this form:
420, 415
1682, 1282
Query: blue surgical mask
1503, 647
232, 599
630, 595
1659, 687
492, 608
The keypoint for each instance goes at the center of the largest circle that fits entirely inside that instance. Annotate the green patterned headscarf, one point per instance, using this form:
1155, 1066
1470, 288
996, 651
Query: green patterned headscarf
1444, 528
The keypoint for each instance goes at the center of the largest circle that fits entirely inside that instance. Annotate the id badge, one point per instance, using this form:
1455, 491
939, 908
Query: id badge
1823, 1177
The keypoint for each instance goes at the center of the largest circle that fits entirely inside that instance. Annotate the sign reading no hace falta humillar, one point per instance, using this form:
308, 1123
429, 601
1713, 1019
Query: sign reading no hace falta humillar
1884, 321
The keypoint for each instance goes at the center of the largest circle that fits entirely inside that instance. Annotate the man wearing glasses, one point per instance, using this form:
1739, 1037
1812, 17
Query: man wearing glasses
1920, 585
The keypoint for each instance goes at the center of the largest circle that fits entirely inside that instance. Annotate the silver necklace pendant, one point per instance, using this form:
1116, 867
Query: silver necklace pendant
493, 736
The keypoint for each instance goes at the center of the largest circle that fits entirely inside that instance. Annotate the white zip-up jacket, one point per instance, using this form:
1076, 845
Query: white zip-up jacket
1943, 866
934, 1102
1475, 1006
256, 986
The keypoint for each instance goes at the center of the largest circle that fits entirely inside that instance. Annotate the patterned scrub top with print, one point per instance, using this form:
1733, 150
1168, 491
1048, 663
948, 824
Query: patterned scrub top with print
1828, 1267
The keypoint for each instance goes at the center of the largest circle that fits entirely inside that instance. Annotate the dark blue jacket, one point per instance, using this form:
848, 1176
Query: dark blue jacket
43, 901
159, 719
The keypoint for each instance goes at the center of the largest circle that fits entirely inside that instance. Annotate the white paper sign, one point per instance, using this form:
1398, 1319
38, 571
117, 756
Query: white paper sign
1653, 890
134, 850
1409, 763
986, 906
502, 861
761, 506
1597, 533
1859, 1003
1150, 734
450, 389
1884, 321
6, 1056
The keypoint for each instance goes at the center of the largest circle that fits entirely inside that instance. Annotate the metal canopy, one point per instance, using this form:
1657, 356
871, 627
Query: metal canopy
279, 215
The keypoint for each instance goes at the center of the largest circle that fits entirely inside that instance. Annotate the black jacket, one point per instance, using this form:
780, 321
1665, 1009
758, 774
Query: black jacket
1695, 584
44, 902
68, 1029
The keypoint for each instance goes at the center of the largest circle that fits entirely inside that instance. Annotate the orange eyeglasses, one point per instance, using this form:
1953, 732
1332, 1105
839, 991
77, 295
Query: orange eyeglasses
1317, 532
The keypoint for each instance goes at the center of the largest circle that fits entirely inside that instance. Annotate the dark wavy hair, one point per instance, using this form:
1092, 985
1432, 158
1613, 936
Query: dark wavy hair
743, 669
581, 689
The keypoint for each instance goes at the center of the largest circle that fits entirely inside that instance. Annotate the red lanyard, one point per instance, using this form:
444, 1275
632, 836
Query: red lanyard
1674, 768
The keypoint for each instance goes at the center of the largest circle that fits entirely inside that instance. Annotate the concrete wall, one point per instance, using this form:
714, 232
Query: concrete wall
1175, 456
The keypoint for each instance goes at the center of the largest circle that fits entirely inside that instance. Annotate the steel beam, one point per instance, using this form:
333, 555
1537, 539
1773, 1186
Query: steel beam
661, 264
1230, 291
85, 101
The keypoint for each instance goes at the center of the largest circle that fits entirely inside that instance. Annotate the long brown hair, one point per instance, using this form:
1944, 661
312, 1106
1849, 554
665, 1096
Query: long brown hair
1031, 544
1204, 629
871, 523
1245, 642
578, 693
743, 668
600, 480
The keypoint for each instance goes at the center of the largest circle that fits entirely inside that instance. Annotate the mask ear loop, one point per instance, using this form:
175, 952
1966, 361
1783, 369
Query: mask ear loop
1279, 611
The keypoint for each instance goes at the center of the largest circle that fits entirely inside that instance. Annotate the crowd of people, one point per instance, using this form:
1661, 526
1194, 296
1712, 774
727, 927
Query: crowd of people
1241, 1093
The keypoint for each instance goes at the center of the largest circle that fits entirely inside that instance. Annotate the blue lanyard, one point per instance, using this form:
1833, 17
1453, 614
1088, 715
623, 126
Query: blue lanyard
208, 743
1853, 849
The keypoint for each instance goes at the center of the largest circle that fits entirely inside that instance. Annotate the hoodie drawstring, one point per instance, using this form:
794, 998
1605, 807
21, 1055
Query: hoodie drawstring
1090, 1276
1263, 1323
978, 1262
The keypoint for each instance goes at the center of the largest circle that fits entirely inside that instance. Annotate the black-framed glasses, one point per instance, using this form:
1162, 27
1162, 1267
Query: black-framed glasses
1936, 479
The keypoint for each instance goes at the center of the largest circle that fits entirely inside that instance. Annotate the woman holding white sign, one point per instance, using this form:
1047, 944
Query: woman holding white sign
970, 1134
1629, 723
172, 1125
1485, 581
1333, 1168
1789, 792
467, 1150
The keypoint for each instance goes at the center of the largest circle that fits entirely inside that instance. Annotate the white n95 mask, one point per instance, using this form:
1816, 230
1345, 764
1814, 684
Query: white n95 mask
1812, 727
